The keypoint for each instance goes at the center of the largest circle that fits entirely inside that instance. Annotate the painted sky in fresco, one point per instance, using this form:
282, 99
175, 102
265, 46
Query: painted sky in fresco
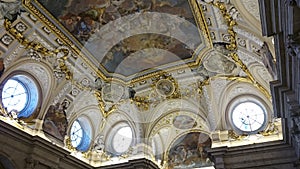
130, 36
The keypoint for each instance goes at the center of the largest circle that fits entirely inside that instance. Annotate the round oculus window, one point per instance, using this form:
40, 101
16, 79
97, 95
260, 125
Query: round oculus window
248, 117
20, 95
122, 139
76, 134
14, 95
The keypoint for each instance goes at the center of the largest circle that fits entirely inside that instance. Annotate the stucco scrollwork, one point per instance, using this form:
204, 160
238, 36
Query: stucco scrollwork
40, 73
61, 67
61, 93
99, 144
219, 63
252, 7
10, 9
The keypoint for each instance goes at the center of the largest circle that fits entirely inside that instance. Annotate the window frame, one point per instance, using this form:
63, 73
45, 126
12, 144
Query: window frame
251, 99
76, 124
33, 90
87, 133
111, 136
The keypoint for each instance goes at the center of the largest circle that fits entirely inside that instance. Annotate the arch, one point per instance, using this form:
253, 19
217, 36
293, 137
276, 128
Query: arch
92, 112
261, 74
6, 162
120, 137
160, 143
236, 89
117, 119
41, 72
175, 104
164, 131
250, 17
167, 120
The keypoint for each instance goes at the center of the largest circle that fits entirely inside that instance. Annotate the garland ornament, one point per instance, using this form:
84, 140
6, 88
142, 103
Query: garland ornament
60, 53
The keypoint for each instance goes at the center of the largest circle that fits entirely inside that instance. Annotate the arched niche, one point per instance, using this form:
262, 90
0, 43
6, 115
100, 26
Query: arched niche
115, 123
168, 127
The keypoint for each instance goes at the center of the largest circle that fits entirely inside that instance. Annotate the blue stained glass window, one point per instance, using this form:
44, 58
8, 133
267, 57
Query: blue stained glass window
20, 94
76, 134
80, 134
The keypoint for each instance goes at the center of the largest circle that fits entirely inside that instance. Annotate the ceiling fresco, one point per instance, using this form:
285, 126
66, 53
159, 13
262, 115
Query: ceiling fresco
83, 18
188, 151
56, 122
144, 51
127, 37
175, 113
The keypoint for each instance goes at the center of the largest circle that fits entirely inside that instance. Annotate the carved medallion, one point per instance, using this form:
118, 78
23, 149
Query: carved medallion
165, 87
112, 93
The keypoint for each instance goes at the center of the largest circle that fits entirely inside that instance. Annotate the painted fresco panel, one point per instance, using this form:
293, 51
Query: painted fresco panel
55, 122
130, 36
188, 151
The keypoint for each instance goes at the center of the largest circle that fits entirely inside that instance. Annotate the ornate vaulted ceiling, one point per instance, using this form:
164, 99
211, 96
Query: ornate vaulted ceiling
172, 71
130, 39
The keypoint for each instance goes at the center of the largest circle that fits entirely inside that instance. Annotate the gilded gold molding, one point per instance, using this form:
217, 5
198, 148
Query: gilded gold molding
233, 78
106, 156
102, 106
202, 25
127, 153
195, 7
98, 95
233, 47
201, 84
234, 56
38, 47
272, 129
230, 23
175, 93
2, 110
68, 144
142, 103
11, 117
234, 136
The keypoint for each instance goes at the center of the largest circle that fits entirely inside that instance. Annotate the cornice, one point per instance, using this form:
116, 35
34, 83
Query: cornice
37, 145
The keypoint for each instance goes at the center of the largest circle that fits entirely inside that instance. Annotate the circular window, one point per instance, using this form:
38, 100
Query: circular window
76, 134
122, 139
20, 94
81, 134
14, 96
248, 117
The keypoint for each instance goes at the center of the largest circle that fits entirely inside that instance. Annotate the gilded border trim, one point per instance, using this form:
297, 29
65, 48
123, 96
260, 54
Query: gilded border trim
33, 5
